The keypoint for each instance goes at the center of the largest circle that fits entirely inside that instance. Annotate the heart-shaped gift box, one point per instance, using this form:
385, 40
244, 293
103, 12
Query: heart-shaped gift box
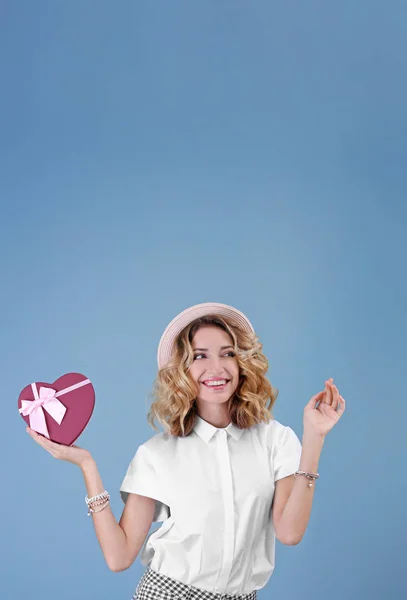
61, 410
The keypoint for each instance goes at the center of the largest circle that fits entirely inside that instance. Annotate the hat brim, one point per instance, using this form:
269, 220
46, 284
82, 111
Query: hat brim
166, 344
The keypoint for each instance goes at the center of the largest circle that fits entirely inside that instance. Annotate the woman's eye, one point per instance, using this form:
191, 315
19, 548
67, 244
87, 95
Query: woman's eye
200, 356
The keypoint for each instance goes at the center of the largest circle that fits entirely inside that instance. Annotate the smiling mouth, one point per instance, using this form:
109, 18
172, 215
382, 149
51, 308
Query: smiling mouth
216, 383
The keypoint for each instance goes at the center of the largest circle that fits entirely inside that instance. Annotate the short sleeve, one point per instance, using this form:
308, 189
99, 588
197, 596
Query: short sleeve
142, 478
286, 453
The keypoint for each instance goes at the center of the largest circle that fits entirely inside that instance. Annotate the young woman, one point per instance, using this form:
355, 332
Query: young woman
225, 477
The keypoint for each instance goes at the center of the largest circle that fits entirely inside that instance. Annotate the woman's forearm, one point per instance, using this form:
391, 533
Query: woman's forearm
297, 510
110, 535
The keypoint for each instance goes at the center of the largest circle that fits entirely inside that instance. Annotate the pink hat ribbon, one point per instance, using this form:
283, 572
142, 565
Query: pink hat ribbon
46, 399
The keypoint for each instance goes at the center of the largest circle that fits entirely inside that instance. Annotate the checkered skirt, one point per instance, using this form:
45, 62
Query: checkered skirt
154, 586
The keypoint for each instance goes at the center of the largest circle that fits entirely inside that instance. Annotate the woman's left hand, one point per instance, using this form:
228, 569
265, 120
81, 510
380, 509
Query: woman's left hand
320, 419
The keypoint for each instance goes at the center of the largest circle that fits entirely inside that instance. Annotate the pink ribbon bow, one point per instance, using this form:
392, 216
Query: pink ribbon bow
46, 400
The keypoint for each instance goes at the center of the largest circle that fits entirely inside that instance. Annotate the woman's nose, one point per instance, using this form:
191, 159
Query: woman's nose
215, 367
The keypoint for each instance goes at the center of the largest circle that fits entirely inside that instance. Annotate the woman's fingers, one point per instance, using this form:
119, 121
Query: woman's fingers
40, 439
333, 398
328, 398
332, 394
315, 399
51, 447
73, 453
336, 398
341, 406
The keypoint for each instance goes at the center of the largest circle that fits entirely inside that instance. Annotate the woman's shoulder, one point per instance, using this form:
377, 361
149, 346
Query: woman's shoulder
276, 432
158, 443
273, 425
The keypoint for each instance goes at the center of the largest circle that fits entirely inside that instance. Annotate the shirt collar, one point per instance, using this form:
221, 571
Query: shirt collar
206, 431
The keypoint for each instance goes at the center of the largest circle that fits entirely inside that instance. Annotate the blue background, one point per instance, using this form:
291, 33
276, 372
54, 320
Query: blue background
159, 154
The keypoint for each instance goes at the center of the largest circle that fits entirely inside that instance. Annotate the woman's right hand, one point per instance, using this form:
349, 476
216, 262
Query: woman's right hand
73, 454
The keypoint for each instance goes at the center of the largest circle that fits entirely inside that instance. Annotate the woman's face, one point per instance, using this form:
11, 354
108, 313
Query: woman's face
215, 367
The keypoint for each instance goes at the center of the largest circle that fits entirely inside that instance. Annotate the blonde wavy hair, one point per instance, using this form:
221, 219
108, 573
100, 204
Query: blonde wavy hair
175, 391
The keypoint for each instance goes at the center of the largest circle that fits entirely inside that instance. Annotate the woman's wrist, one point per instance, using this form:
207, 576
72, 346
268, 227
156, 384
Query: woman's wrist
312, 445
312, 438
87, 463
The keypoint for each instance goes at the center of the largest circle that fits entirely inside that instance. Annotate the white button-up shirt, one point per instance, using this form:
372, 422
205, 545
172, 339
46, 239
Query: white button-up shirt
214, 490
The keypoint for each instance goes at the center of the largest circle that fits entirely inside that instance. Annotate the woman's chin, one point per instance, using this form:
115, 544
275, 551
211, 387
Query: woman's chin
216, 396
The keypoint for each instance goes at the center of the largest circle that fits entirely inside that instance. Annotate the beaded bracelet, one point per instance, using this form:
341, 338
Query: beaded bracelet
102, 498
102, 505
99, 502
310, 476
104, 494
